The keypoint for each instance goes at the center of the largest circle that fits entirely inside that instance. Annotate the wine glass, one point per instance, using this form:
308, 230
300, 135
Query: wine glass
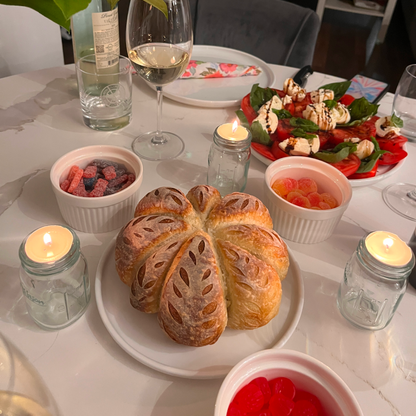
401, 197
159, 49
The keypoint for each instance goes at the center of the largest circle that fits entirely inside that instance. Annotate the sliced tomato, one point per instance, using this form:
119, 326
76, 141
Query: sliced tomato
397, 154
284, 129
277, 152
396, 141
248, 110
364, 131
301, 105
365, 175
291, 108
264, 150
349, 165
346, 99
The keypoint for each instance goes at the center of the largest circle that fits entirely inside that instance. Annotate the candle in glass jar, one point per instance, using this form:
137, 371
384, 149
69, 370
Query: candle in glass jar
388, 248
232, 131
48, 244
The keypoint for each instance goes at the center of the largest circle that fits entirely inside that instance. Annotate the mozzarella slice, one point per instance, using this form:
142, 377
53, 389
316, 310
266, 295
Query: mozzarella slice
274, 104
384, 127
321, 115
321, 95
341, 114
298, 146
364, 147
294, 90
268, 121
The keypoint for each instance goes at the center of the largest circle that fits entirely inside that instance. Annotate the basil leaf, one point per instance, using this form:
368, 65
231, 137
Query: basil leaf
243, 119
361, 109
352, 146
330, 104
368, 163
339, 88
302, 133
259, 96
259, 134
281, 114
330, 157
396, 121
304, 124
375, 143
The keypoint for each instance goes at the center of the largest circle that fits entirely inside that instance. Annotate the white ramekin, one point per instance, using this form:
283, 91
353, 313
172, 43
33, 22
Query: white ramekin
303, 225
307, 373
102, 214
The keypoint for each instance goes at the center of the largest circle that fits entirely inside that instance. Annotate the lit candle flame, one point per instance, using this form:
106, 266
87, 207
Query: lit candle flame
388, 242
47, 239
235, 126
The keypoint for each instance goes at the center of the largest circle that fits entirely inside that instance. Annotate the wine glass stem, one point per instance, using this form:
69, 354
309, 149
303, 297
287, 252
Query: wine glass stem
158, 137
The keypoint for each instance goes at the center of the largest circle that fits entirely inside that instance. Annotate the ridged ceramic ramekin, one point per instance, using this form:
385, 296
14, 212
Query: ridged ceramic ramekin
102, 214
303, 225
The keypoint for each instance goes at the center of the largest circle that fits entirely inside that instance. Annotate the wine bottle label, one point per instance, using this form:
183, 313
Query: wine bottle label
106, 38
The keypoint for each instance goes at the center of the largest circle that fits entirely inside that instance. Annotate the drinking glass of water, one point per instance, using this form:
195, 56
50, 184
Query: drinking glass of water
159, 48
404, 104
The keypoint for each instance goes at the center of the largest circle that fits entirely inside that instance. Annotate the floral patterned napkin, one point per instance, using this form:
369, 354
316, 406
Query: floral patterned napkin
203, 70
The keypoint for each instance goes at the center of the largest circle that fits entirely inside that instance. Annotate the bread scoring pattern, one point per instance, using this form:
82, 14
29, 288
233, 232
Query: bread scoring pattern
202, 262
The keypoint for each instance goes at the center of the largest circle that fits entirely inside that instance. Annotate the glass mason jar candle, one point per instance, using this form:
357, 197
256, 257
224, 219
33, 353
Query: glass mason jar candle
229, 158
54, 276
375, 280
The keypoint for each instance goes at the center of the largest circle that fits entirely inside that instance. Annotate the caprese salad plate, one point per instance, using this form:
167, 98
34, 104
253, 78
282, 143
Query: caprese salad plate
325, 124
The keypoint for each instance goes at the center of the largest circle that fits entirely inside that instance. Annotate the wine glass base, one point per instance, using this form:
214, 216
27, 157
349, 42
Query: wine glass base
145, 147
397, 198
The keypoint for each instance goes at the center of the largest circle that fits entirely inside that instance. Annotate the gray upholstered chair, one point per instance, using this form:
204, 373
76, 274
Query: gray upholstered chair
276, 31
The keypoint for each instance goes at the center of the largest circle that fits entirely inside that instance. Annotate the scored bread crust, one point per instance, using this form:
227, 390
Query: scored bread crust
192, 306
254, 288
240, 250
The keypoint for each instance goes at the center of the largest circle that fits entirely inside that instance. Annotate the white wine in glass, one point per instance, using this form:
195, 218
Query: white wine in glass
159, 49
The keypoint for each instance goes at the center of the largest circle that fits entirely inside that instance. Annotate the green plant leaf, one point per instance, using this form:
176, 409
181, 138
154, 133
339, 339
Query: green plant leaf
339, 88
160, 5
330, 157
58, 11
259, 135
281, 114
396, 121
298, 132
304, 124
360, 111
368, 163
259, 96
243, 119
330, 104
352, 146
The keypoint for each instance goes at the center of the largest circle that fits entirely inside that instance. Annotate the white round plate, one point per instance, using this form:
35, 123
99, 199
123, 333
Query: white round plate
383, 172
140, 336
219, 92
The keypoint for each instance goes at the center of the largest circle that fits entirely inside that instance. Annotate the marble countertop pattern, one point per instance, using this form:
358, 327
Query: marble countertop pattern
87, 373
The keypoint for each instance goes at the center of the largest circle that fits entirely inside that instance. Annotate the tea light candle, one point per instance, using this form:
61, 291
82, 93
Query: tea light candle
388, 248
232, 131
48, 244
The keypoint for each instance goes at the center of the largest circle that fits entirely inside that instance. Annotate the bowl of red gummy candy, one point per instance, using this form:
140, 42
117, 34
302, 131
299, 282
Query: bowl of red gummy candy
306, 198
284, 383
97, 187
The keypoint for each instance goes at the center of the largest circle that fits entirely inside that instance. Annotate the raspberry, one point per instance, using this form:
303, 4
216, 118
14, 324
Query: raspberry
75, 181
109, 172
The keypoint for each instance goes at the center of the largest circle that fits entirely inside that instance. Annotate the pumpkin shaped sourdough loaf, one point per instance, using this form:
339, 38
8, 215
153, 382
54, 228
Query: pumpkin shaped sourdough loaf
202, 262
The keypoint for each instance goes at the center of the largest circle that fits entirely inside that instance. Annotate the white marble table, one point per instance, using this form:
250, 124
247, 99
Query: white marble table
86, 371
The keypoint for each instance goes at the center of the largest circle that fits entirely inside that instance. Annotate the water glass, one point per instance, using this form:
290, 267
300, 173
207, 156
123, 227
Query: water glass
371, 290
57, 293
404, 104
105, 92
